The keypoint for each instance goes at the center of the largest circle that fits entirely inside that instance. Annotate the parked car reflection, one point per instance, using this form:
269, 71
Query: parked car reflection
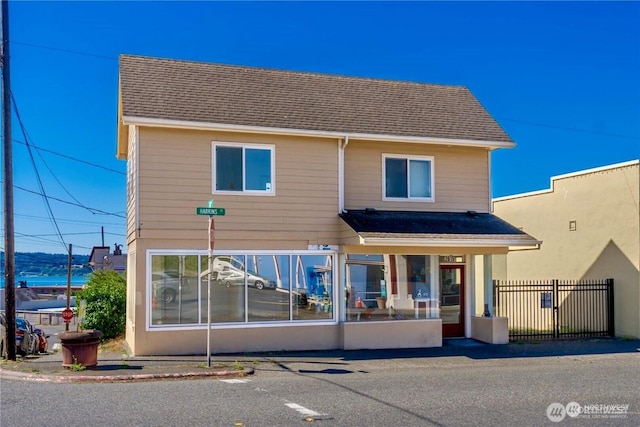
236, 277
165, 286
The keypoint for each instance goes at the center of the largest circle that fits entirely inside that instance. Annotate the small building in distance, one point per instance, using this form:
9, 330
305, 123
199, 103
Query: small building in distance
101, 259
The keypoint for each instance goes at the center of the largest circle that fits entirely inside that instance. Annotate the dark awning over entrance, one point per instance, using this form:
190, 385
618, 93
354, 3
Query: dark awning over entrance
376, 227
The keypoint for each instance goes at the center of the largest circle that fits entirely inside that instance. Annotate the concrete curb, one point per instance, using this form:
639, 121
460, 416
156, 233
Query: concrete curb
34, 377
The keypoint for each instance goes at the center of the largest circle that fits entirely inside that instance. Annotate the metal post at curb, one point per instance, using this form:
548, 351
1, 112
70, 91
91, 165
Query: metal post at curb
209, 294
211, 212
210, 275
212, 238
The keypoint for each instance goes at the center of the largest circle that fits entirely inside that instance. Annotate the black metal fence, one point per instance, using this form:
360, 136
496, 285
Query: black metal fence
556, 308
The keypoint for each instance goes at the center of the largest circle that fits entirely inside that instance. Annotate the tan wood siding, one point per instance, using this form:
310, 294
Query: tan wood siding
175, 178
461, 177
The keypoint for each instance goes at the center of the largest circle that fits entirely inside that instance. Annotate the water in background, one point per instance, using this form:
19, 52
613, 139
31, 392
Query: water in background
34, 281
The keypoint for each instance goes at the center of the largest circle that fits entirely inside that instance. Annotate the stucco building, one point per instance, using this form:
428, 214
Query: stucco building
590, 224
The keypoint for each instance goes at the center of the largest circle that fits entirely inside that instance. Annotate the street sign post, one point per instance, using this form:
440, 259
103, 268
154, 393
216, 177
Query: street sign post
211, 212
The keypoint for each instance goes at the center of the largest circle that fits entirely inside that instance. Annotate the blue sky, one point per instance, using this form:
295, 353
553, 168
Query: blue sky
562, 78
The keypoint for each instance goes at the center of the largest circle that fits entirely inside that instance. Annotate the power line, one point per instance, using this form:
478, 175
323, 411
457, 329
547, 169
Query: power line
42, 243
572, 129
74, 52
43, 240
35, 169
73, 234
39, 180
29, 146
70, 203
38, 238
60, 183
71, 221
73, 158
49, 242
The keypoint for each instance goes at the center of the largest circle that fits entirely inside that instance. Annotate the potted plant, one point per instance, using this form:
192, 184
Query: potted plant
80, 348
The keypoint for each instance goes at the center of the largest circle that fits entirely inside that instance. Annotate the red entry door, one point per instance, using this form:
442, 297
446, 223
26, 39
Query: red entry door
452, 300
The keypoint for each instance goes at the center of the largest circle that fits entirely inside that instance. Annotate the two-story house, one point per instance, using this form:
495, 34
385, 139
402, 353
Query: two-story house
357, 212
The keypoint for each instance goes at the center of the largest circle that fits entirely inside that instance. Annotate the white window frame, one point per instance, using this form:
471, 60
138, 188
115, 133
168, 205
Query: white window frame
408, 158
149, 327
269, 147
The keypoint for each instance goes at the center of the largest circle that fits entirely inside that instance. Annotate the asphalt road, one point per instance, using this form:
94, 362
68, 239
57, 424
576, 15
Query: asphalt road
294, 390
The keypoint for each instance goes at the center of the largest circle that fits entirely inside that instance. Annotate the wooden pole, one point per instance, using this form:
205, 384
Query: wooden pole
66, 327
9, 236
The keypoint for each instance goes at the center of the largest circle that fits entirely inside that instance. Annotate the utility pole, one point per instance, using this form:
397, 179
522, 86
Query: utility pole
69, 262
9, 248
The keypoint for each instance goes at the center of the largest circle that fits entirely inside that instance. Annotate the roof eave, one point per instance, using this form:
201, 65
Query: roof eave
514, 244
194, 125
121, 132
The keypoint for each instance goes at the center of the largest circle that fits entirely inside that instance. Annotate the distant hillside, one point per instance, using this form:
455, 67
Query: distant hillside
42, 264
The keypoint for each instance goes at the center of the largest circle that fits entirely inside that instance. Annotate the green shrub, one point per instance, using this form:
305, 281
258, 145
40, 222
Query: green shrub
106, 297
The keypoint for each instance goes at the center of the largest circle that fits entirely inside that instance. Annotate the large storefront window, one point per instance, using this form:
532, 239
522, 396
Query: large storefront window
312, 287
268, 288
245, 287
391, 287
174, 289
227, 289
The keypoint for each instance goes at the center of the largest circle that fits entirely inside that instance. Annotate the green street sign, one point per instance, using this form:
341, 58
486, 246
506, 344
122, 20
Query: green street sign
210, 211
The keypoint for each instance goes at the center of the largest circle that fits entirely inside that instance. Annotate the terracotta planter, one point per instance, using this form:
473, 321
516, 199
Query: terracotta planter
381, 302
80, 348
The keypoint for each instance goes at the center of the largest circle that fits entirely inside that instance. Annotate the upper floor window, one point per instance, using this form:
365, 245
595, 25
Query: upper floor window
243, 168
407, 177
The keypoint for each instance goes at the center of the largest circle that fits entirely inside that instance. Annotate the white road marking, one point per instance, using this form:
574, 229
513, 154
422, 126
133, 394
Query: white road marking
235, 381
304, 411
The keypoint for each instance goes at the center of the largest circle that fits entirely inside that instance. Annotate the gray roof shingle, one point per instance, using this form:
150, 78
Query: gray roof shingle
247, 96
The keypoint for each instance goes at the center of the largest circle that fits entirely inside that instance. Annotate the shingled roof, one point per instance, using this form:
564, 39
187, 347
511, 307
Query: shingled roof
463, 228
188, 91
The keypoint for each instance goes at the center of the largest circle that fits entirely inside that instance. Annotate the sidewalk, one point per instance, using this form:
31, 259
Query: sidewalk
120, 367
113, 365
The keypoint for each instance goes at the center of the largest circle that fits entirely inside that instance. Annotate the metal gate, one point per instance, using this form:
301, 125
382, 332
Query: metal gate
556, 308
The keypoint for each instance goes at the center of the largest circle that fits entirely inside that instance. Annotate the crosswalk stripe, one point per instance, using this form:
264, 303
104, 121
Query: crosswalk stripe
303, 411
